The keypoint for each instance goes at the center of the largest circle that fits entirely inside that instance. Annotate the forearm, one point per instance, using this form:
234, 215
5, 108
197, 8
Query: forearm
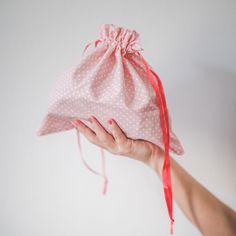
203, 209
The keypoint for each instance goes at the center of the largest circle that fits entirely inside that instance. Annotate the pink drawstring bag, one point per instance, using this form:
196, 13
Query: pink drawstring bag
113, 80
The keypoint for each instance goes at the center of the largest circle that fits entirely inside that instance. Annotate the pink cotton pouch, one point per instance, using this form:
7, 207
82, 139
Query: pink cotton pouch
113, 79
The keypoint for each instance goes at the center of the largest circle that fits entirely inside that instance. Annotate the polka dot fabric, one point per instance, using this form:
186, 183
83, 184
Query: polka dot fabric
113, 80
110, 81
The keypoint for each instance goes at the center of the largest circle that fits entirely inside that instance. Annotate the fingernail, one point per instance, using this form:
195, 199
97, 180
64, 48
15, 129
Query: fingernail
93, 117
78, 122
110, 121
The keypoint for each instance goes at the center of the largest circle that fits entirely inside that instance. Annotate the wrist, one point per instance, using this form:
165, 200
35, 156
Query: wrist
156, 159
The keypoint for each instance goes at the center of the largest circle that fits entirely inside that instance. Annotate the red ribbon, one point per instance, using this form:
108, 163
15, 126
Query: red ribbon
166, 170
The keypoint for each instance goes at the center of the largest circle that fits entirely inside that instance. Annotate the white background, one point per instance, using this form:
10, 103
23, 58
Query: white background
44, 187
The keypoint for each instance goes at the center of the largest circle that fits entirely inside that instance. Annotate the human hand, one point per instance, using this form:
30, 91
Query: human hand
116, 142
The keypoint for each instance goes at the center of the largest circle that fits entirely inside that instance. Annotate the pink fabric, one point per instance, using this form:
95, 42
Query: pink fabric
113, 80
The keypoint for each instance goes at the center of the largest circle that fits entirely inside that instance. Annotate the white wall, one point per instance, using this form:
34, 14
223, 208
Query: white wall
44, 187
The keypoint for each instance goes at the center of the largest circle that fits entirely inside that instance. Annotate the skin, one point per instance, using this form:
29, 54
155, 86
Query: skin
202, 208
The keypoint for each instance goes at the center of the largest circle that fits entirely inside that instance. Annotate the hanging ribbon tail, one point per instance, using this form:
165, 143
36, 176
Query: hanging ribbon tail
103, 174
104, 171
166, 170
95, 43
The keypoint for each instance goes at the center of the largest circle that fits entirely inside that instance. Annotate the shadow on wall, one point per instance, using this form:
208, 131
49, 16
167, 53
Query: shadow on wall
208, 105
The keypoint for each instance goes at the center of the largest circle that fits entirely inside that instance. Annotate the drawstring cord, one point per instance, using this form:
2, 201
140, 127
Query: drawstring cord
103, 174
95, 43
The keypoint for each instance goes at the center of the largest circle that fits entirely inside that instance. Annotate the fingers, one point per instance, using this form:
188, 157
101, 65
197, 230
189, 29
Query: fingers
86, 131
117, 132
102, 134
124, 145
116, 142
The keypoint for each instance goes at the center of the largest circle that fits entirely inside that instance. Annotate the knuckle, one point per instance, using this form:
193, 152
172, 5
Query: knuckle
126, 147
114, 151
83, 129
116, 133
119, 138
104, 139
106, 143
93, 141
88, 134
